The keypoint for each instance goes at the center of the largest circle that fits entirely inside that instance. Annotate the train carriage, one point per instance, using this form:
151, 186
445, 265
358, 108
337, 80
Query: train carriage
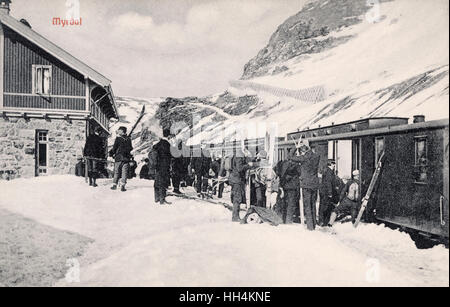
412, 190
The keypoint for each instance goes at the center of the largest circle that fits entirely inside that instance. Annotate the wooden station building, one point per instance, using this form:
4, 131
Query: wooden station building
49, 102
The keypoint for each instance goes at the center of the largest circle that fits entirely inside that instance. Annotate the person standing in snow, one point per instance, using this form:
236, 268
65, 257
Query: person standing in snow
121, 152
349, 199
239, 167
289, 173
94, 149
219, 172
132, 168
328, 191
260, 177
164, 158
144, 172
179, 168
309, 181
200, 166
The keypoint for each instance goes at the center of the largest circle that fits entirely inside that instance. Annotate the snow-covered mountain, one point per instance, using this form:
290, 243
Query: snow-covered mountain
332, 62
390, 59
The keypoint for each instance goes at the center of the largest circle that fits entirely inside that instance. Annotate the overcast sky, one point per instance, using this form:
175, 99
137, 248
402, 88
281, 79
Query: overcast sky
153, 48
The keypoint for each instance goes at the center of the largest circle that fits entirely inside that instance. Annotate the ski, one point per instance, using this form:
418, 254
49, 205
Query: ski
269, 145
366, 198
141, 115
208, 200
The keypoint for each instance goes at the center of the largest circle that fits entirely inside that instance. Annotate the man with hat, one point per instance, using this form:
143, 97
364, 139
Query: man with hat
121, 152
164, 158
328, 192
309, 181
349, 199
240, 163
94, 151
289, 174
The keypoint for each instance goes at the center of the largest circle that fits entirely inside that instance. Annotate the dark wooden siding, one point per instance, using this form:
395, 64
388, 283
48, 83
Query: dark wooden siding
401, 199
20, 55
50, 103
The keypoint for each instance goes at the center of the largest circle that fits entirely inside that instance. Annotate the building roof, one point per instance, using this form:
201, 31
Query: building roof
53, 49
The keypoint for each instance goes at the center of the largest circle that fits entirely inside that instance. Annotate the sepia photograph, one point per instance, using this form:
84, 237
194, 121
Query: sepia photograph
224, 149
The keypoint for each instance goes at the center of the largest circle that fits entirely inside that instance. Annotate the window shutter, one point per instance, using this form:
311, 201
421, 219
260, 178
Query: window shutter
46, 81
40, 87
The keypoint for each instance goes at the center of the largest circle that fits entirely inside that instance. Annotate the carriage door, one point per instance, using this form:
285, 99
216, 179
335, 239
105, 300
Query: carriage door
41, 153
344, 163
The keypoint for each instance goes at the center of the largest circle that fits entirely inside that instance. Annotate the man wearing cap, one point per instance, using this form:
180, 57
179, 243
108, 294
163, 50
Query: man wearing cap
349, 199
95, 150
239, 166
179, 168
164, 158
121, 152
309, 181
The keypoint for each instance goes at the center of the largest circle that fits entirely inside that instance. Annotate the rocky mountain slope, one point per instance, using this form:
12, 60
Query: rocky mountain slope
306, 32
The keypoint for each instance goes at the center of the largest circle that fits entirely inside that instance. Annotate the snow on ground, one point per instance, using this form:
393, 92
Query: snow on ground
193, 243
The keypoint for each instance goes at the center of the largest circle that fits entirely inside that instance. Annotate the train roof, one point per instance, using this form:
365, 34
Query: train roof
435, 124
360, 124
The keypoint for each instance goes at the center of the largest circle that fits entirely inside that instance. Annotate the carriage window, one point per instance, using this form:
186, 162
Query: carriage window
421, 159
379, 148
42, 75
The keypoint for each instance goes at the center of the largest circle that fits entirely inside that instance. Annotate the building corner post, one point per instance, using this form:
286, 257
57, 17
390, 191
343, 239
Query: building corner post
88, 102
2, 64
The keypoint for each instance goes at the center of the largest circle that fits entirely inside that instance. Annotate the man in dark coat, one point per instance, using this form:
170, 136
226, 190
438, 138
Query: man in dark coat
144, 173
289, 174
201, 165
132, 168
258, 179
309, 181
121, 152
328, 192
216, 167
164, 159
80, 168
237, 180
94, 151
179, 167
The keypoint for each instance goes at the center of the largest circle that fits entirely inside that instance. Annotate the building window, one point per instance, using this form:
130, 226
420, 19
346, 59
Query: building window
421, 159
42, 76
379, 148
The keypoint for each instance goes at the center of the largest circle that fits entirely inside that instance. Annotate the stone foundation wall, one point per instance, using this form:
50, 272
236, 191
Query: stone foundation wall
66, 140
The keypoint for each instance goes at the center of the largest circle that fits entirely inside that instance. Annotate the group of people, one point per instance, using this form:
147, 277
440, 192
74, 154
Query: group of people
295, 177
172, 164
94, 153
